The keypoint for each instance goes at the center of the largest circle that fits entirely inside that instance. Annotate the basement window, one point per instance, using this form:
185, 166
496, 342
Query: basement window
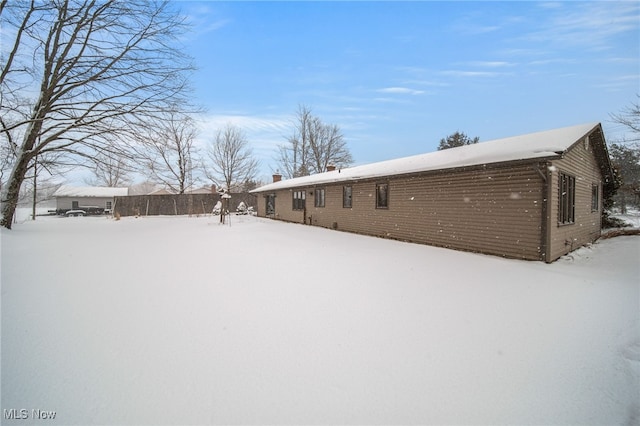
299, 200
382, 195
347, 200
567, 199
319, 198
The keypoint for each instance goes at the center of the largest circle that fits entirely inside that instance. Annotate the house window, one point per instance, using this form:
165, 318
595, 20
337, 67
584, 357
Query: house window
319, 199
108, 205
382, 195
595, 197
567, 197
346, 197
75, 205
298, 199
270, 204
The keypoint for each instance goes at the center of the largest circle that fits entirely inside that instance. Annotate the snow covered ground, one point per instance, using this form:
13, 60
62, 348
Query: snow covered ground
631, 217
170, 320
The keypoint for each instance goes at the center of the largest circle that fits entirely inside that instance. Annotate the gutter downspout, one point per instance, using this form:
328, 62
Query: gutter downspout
546, 216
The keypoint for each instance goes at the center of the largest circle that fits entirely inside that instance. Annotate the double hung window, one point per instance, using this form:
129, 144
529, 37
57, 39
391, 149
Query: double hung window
595, 197
299, 198
567, 198
319, 198
347, 201
382, 195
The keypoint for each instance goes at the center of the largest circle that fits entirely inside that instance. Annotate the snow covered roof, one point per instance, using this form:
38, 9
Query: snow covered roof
544, 144
90, 191
201, 190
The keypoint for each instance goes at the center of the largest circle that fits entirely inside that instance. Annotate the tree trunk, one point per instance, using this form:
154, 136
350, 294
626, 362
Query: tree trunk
20, 168
13, 191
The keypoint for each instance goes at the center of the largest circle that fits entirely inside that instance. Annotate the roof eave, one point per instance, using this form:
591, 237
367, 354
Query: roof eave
555, 156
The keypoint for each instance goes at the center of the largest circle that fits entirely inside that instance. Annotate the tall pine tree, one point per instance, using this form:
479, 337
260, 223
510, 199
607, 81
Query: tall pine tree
455, 140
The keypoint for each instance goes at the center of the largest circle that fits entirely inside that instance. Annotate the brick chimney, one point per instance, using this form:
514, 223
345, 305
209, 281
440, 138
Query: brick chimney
277, 177
331, 168
213, 189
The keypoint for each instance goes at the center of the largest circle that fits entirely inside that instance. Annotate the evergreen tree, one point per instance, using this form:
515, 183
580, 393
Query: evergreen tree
455, 140
626, 161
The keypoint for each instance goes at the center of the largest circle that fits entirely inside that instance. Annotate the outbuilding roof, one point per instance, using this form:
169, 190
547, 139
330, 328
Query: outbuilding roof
545, 144
90, 191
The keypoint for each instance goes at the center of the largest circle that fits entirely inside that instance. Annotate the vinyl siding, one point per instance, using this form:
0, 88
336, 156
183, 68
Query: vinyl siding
284, 207
493, 210
581, 163
507, 208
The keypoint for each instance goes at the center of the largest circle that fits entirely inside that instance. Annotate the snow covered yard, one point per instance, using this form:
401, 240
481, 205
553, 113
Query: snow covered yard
631, 217
183, 321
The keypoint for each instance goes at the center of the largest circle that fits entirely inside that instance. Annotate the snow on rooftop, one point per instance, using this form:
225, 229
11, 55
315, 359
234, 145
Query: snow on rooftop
530, 146
90, 191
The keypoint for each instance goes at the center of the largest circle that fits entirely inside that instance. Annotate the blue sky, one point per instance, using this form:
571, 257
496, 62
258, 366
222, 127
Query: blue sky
399, 76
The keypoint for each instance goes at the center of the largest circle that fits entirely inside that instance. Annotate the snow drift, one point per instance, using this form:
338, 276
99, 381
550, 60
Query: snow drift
183, 321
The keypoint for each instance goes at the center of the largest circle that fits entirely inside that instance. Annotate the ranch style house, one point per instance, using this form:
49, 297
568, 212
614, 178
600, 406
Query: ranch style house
89, 199
536, 196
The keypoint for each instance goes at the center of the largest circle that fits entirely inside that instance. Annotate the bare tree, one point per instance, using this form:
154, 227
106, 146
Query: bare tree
630, 119
625, 157
294, 155
327, 146
110, 170
166, 151
312, 147
81, 76
8, 151
230, 159
41, 188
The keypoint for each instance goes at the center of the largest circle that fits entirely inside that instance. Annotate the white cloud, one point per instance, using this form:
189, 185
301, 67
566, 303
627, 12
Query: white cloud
247, 123
400, 91
390, 100
203, 20
264, 133
620, 83
550, 5
590, 24
492, 64
482, 29
468, 26
552, 61
463, 73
